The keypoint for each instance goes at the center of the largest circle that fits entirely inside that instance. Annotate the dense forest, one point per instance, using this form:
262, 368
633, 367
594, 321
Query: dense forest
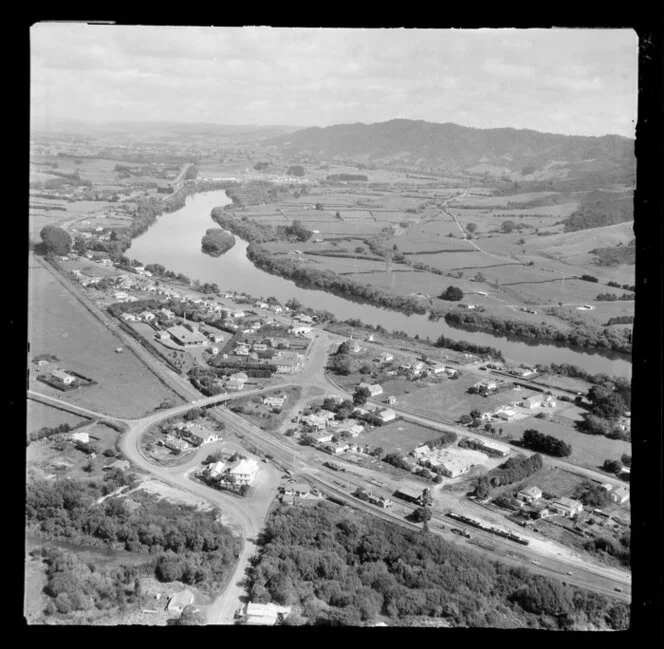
186, 544
342, 568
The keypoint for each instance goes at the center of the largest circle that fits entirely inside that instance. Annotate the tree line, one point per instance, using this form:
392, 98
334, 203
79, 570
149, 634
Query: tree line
536, 441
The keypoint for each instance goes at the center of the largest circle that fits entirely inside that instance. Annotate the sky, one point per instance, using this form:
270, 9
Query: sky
570, 81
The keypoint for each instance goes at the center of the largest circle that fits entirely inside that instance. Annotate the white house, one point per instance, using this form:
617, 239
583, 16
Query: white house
566, 507
274, 402
81, 438
216, 470
620, 495
147, 316
529, 495
386, 357
374, 390
386, 415
244, 471
63, 377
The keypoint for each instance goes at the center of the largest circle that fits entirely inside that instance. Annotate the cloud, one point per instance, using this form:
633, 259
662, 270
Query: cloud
504, 69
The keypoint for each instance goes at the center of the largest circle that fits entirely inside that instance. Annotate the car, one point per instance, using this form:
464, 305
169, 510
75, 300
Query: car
618, 590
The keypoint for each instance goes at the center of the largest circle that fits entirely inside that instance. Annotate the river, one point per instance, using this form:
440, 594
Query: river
174, 241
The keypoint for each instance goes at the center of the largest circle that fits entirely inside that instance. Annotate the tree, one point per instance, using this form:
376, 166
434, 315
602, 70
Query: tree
480, 277
507, 226
482, 487
359, 249
190, 616
192, 414
360, 396
475, 413
55, 240
465, 419
612, 466
626, 459
293, 304
471, 227
421, 515
319, 206
452, 294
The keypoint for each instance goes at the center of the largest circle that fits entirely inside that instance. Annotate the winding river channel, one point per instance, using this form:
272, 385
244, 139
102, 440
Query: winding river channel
174, 241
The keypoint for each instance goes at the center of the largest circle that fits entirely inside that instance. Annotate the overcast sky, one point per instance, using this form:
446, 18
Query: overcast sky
561, 81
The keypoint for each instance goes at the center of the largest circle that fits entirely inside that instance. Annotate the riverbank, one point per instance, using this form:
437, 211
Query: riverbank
579, 336
175, 241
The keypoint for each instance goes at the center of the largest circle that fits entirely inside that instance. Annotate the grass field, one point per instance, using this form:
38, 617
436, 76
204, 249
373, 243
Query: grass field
58, 324
40, 415
400, 436
588, 451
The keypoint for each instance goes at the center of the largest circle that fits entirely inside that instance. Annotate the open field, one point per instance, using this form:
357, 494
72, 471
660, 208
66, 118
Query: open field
40, 415
60, 325
588, 451
400, 436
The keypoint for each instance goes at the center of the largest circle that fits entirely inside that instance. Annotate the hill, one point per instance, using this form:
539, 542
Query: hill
453, 147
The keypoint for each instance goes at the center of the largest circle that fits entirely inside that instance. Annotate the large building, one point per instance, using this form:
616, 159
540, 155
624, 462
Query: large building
374, 390
244, 471
566, 507
187, 338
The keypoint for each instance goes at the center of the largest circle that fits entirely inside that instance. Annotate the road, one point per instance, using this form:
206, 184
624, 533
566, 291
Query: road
249, 513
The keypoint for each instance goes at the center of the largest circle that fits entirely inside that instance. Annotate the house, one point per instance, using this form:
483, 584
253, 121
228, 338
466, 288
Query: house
506, 414
167, 313
234, 383
185, 337
299, 489
486, 385
386, 415
216, 470
354, 430
241, 349
301, 331
606, 486
301, 317
336, 448
386, 357
163, 335
264, 614
437, 369
322, 437
274, 402
244, 471
176, 445
421, 451
417, 367
531, 402
287, 362
374, 390
529, 495
197, 435
493, 448
178, 601
214, 350
62, 377
453, 466
566, 507
318, 421
80, 438
259, 347
620, 495
128, 317
120, 295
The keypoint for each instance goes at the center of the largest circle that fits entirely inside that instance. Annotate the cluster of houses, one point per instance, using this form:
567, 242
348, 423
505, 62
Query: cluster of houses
451, 463
240, 472
294, 492
413, 369
181, 435
508, 412
333, 436
566, 507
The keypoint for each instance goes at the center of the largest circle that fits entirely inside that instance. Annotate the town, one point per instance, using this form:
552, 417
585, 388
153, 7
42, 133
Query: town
357, 375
